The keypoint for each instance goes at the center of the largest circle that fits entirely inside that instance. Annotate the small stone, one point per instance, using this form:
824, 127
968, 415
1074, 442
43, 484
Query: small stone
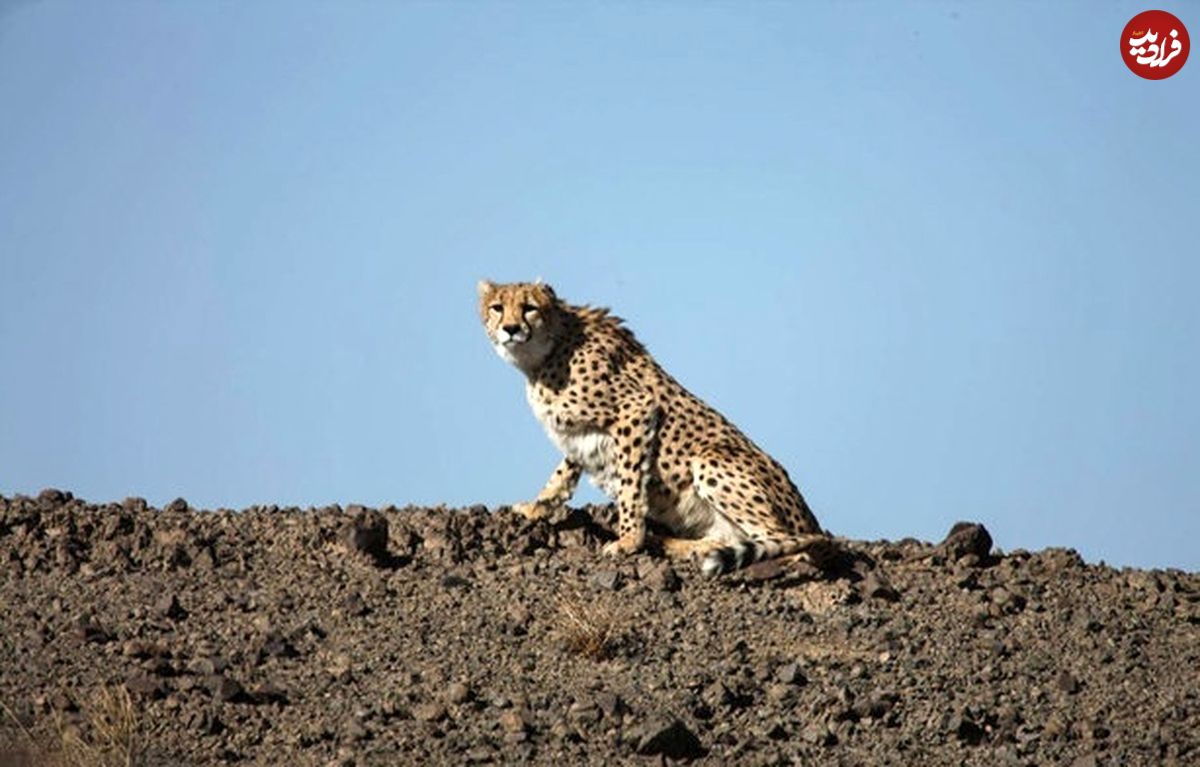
760, 572
276, 645
609, 580
663, 578
881, 704
204, 723
268, 693
61, 701
143, 648
177, 506
340, 667
226, 689
429, 712
1067, 682
88, 630
144, 687
779, 692
1087, 760
876, 586
354, 606
454, 581
356, 731
458, 693
168, 606
818, 733
611, 705
203, 666
515, 720
519, 617
790, 673
584, 712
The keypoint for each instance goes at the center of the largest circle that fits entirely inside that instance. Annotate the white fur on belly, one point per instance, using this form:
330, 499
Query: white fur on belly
594, 450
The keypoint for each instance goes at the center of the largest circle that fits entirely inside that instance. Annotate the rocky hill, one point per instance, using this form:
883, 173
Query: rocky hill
133, 635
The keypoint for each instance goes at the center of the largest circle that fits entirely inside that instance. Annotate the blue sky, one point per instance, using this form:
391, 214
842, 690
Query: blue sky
939, 259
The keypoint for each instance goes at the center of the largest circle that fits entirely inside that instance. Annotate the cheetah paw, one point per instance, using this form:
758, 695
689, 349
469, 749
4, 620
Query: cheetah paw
621, 546
533, 510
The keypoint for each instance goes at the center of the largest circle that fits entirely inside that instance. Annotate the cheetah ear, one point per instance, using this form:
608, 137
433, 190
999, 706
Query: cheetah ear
549, 290
483, 287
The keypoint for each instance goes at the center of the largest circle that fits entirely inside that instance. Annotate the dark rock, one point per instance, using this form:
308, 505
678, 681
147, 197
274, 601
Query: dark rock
967, 730
661, 577
267, 693
177, 506
276, 645
876, 586
134, 503
669, 737
227, 689
168, 606
967, 538
143, 648
354, 606
144, 687
454, 581
366, 532
1067, 682
767, 570
54, 496
88, 630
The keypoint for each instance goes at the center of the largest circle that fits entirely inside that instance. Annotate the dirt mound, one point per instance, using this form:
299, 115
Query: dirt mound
418, 636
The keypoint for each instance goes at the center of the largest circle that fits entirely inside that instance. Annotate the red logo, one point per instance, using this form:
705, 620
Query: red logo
1154, 45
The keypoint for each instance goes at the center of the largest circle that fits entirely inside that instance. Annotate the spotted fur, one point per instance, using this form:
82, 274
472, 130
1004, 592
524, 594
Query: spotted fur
656, 449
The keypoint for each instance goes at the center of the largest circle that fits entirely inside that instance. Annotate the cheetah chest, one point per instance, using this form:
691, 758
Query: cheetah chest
590, 448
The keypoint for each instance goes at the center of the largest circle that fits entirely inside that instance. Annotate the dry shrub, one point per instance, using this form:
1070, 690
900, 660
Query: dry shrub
105, 736
588, 627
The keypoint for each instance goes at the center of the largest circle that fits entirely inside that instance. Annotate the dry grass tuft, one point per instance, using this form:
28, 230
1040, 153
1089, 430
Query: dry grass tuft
588, 627
105, 736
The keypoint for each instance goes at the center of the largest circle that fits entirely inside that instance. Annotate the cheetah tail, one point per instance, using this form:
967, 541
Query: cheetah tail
736, 556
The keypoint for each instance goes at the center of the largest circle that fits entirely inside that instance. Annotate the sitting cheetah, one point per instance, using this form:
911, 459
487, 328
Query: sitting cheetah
647, 442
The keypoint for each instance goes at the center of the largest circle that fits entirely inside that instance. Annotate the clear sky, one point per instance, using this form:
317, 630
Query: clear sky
939, 259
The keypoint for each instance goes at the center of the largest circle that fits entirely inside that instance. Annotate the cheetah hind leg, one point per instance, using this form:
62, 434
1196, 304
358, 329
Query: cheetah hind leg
686, 548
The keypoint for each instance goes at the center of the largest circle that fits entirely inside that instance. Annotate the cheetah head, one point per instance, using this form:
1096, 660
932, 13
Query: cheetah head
519, 319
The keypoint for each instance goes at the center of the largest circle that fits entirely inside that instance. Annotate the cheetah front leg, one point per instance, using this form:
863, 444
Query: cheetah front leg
558, 490
636, 445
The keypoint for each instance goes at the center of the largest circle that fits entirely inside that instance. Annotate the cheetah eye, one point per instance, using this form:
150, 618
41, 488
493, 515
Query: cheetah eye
528, 309
497, 308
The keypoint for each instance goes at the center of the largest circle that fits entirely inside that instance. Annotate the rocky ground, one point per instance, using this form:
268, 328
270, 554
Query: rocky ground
133, 635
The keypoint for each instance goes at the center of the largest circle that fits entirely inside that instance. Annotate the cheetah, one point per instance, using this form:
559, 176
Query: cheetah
648, 443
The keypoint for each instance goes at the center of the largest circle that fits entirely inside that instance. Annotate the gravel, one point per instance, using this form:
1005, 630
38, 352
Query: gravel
363, 636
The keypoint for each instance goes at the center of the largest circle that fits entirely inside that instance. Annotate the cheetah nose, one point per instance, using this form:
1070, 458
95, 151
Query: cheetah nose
512, 330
